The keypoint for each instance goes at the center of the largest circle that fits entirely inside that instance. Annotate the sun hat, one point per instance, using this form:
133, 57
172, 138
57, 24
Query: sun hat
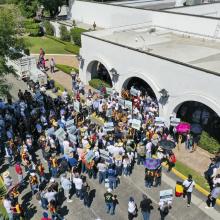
6, 174
52, 180
33, 174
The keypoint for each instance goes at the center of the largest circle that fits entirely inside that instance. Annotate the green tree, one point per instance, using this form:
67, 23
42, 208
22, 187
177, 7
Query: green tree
53, 6
11, 45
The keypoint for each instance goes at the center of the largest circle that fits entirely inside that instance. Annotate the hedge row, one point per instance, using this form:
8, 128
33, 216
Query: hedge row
209, 143
68, 46
98, 84
34, 29
76, 35
66, 69
49, 28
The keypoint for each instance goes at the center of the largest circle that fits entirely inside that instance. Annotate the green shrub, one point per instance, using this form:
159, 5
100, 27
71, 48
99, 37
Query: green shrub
72, 48
33, 28
66, 69
98, 83
209, 143
64, 33
49, 28
76, 35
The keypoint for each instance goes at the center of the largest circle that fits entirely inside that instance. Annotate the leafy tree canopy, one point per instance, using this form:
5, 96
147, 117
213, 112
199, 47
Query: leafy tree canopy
11, 45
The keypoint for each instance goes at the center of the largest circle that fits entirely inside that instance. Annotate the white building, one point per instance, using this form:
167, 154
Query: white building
172, 50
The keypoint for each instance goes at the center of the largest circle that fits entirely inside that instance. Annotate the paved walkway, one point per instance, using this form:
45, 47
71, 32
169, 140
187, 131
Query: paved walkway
198, 160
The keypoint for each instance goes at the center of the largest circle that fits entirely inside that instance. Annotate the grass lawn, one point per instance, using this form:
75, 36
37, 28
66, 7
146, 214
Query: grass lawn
66, 69
185, 170
50, 46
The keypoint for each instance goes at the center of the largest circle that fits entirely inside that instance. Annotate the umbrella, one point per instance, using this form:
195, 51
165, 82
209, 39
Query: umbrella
183, 127
167, 144
152, 164
196, 128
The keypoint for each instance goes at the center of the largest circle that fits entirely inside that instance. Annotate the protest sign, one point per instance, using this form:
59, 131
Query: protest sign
136, 124
128, 104
134, 91
76, 105
60, 134
70, 123
121, 102
104, 154
109, 126
166, 195
174, 121
109, 91
159, 121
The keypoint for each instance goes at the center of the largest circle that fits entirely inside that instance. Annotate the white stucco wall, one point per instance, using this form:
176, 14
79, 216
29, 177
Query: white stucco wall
212, 10
182, 83
106, 16
57, 28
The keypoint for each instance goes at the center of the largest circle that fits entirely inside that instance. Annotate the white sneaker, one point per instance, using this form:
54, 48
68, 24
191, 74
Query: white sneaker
207, 207
69, 200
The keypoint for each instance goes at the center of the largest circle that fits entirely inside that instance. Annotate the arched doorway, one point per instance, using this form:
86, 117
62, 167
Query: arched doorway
96, 70
199, 113
139, 84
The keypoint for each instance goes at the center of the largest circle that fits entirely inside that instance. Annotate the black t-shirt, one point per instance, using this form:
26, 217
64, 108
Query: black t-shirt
108, 197
145, 205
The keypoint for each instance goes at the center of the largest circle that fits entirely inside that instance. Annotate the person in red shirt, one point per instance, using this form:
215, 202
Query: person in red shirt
45, 216
19, 172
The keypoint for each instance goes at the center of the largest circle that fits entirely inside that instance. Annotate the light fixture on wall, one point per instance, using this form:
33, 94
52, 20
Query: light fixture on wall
81, 60
164, 96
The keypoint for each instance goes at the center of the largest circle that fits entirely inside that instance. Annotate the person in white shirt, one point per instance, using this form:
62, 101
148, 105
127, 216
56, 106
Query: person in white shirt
50, 195
102, 167
8, 206
132, 208
148, 149
188, 185
78, 186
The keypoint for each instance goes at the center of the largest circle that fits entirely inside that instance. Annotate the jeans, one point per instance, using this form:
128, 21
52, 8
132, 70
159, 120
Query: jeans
126, 171
66, 193
34, 188
79, 193
44, 203
102, 176
54, 171
146, 215
109, 207
112, 182
118, 170
10, 216
140, 159
188, 195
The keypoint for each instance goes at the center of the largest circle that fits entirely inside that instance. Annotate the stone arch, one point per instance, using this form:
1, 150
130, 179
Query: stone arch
152, 85
98, 69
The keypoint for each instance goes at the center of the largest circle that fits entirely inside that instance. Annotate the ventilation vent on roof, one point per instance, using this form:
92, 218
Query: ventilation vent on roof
152, 30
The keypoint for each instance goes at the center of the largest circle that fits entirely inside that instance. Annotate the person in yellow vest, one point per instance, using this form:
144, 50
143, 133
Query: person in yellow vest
18, 212
54, 166
33, 183
40, 171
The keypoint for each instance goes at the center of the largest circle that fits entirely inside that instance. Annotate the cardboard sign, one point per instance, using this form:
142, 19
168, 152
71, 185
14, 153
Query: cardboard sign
121, 102
166, 195
128, 104
109, 91
159, 121
104, 154
136, 124
109, 112
70, 123
134, 91
72, 138
76, 106
60, 134
174, 121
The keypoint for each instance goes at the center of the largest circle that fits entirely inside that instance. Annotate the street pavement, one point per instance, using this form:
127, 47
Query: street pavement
129, 186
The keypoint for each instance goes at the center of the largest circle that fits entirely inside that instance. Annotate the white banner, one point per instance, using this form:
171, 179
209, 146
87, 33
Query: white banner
76, 106
104, 154
60, 134
166, 195
174, 121
109, 126
128, 104
121, 102
109, 91
136, 124
134, 91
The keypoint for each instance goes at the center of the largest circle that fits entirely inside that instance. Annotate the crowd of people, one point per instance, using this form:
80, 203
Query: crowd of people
69, 133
